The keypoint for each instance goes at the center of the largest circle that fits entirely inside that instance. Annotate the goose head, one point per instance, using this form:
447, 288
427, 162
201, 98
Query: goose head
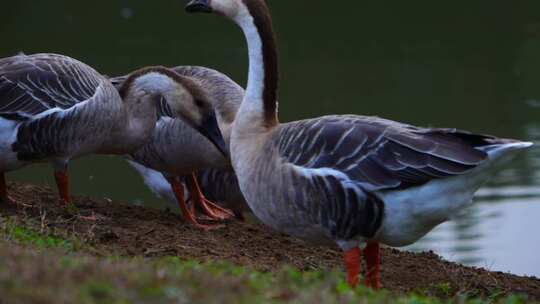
201, 112
176, 96
228, 8
253, 17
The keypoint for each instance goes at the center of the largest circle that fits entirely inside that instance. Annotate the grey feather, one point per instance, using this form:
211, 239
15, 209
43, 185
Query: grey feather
381, 154
32, 84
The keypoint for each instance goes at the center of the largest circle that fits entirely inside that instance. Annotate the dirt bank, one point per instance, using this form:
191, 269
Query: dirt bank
135, 231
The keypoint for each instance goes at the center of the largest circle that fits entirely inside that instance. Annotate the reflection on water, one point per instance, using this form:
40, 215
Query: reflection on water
498, 235
432, 63
500, 231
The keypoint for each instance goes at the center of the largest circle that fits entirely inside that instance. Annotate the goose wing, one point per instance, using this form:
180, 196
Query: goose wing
32, 84
379, 154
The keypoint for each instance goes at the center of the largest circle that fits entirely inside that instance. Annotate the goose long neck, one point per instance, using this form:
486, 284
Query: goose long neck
263, 76
151, 81
140, 94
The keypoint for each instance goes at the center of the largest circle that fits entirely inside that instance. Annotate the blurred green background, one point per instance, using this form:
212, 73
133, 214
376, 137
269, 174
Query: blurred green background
465, 64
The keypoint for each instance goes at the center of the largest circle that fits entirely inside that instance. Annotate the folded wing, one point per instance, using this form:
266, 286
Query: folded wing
32, 84
380, 154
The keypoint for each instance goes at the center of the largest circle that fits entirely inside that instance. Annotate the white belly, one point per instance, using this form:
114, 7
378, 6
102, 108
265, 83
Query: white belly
411, 214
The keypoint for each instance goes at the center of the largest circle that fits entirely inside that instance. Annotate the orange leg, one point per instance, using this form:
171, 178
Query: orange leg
210, 209
373, 263
178, 191
192, 206
62, 182
353, 259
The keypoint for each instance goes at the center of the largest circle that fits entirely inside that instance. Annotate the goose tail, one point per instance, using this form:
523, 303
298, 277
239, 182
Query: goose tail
505, 150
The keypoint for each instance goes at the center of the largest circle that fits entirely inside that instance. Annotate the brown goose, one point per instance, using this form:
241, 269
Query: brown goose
349, 180
176, 149
54, 108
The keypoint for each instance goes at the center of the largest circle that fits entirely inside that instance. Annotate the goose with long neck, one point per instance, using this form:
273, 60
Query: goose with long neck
351, 180
54, 108
176, 150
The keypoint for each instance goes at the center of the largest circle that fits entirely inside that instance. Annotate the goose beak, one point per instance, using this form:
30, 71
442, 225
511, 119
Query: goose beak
199, 6
210, 129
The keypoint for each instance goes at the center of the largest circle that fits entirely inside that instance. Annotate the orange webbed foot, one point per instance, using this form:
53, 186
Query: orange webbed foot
210, 209
188, 213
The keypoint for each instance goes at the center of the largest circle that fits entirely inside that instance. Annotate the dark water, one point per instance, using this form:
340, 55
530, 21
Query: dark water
455, 64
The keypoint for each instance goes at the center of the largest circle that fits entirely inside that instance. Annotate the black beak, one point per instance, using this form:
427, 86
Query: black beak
210, 130
199, 6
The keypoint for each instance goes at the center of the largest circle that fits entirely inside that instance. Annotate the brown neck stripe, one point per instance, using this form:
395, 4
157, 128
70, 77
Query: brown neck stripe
263, 22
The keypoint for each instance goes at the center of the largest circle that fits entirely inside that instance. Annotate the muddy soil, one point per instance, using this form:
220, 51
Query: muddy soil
136, 231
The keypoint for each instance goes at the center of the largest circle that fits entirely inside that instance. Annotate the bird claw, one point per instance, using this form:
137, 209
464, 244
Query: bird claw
75, 212
207, 227
213, 211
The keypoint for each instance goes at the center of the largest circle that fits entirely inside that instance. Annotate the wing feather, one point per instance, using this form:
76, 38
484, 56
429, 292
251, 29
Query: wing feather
380, 154
32, 84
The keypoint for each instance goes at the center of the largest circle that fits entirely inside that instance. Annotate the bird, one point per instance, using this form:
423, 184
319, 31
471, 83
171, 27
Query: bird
54, 108
347, 180
176, 151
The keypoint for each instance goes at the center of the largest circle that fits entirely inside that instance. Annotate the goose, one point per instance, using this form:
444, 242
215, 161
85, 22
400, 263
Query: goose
177, 150
346, 180
54, 108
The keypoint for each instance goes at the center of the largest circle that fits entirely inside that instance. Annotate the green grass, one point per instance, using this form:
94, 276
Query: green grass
41, 266
83, 279
13, 231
